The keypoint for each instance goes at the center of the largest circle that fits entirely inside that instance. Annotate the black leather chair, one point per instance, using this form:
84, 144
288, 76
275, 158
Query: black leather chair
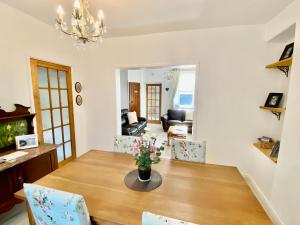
135, 129
176, 117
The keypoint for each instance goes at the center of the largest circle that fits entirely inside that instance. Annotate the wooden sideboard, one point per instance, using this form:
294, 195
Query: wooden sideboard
37, 163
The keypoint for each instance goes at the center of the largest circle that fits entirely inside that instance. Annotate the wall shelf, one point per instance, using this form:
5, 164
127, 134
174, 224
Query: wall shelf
283, 65
266, 152
276, 111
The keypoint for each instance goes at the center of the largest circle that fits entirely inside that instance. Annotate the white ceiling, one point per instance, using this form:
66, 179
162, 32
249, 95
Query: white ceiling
132, 17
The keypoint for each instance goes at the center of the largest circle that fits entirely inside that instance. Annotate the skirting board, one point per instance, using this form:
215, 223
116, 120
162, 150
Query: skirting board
263, 200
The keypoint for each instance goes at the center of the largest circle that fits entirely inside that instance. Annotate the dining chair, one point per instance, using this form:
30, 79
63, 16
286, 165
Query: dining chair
124, 144
153, 219
188, 150
51, 207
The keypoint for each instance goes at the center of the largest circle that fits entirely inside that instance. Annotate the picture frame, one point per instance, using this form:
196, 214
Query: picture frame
78, 87
274, 100
287, 52
26, 141
79, 100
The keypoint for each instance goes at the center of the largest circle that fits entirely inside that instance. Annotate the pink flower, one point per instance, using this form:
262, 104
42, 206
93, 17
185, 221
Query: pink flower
152, 156
135, 148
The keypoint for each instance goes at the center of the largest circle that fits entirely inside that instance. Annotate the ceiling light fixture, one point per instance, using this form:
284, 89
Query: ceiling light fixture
84, 28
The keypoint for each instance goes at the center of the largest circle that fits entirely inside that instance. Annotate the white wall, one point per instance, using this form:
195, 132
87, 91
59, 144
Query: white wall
124, 89
23, 37
285, 195
158, 76
232, 84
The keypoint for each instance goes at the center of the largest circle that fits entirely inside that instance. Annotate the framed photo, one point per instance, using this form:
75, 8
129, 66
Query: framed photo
78, 87
274, 100
79, 100
27, 141
288, 51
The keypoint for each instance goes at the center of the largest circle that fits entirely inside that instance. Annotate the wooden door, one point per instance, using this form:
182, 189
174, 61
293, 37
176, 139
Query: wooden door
52, 88
153, 94
134, 98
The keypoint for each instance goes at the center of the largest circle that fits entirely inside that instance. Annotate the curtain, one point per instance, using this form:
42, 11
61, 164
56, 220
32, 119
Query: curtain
175, 73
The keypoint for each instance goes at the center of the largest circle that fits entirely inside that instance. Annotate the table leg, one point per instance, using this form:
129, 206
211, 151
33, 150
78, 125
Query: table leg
30, 216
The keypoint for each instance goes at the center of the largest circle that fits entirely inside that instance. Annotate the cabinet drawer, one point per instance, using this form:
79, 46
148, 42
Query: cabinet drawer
36, 168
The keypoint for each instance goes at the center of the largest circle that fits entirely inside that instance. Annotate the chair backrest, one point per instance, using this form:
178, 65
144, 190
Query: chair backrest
124, 143
53, 207
188, 150
153, 219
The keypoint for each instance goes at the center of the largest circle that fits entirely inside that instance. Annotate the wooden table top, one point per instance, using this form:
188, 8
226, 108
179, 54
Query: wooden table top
32, 153
200, 193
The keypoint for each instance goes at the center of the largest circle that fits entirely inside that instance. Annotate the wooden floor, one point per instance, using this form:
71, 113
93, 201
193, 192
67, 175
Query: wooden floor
199, 193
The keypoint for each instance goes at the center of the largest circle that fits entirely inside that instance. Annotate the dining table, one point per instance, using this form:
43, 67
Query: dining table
201, 193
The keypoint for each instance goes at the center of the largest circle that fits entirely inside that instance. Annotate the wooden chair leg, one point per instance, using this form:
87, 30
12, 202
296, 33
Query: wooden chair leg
30, 216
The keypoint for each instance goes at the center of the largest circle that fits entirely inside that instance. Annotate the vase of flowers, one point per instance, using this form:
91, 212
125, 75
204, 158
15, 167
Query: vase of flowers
146, 153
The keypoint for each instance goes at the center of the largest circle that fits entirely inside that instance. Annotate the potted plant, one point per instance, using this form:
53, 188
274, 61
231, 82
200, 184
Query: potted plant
146, 153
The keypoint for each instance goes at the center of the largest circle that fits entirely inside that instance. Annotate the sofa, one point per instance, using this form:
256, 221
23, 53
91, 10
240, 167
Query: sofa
176, 117
135, 129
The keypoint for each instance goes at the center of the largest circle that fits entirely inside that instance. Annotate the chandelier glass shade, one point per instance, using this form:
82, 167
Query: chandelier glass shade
83, 28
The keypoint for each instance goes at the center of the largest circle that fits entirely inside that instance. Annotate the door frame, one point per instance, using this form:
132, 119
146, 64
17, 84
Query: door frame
139, 104
34, 63
160, 100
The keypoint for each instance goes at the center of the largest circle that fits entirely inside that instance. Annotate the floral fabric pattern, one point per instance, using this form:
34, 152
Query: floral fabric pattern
8, 131
188, 150
54, 207
124, 144
153, 219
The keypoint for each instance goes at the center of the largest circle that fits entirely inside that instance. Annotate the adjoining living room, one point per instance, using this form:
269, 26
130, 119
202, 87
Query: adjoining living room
158, 100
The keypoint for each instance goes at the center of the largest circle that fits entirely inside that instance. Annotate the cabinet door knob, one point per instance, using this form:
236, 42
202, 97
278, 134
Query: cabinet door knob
20, 180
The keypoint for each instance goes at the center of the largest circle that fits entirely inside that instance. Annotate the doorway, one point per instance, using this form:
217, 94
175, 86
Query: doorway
135, 98
52, 89
153, 104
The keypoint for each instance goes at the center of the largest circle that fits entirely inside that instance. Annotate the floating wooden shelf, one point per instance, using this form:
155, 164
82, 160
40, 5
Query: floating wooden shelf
266, 152
285, 62
283, 65
276, 111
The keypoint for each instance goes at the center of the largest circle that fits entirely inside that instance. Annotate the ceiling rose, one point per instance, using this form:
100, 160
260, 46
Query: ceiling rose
83, 28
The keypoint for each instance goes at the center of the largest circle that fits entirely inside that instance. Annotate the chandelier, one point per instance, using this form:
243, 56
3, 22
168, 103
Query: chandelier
84, 28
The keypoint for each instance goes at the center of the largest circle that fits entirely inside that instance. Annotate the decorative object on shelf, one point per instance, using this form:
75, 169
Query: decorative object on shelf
78, 87
275, 149
146, 153
18, 122
26, 141
79, 100
287, 52
274, 100
84, 28
265, 142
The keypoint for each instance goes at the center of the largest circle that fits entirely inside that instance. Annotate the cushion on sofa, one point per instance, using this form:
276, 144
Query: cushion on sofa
132, 118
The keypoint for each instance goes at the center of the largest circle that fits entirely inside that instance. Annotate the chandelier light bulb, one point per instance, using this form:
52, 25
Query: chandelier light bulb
60, 11
100, 15
77, 4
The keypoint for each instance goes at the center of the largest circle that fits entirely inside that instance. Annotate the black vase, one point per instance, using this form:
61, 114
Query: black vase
144, 174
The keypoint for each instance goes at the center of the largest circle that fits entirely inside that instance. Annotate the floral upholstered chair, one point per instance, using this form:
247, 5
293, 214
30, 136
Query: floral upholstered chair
54, 207
188, 150
153, 219
124, 143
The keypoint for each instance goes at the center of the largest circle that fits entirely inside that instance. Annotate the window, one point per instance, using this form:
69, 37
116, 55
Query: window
184, 98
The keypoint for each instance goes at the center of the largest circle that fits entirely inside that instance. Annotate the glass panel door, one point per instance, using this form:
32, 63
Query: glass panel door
153, 92
54, 108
